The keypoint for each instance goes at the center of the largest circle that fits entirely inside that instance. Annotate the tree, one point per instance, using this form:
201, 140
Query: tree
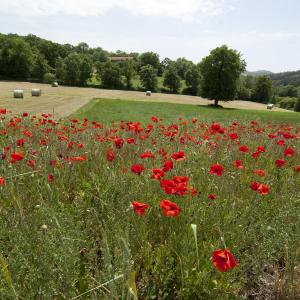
60, 69
40, 66
128, 70
72, 69
82, 48
86, 69
193, 80
99, 55
297, 105
262, 89
150, 58
245, 87
183, 65
163, 65
148, 77
111, 76
220, 73
16, 58
76, 69
172, 79
288, 91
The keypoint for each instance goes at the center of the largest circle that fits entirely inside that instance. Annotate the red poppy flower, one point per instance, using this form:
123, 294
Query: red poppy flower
163, 152
216, 169
238, 164
260, 149
130, 141
119, 143
178, 156
154, 119
157, 174
254, 186
43, 142
53, 163
168, 165
233, 136
263, 189
139, 208
289, 152
147, 155
297, 168
280, 163
260, 173
20, 142
256, 154
70, 145
2, 181
281, 142
16, 156
212, 196
50, 178
223, 260
194, 192
31, 163
170, 209
76, 158
110, 156
138, 169
2, 111
216, 127
244, 149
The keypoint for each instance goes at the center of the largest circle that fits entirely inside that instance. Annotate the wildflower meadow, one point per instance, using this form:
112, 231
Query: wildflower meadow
190, 209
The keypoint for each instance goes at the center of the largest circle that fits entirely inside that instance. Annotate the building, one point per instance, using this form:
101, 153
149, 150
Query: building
117, 59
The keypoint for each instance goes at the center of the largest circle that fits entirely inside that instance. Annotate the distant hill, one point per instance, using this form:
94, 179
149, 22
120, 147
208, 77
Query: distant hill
286, 78
258, 73
279, 79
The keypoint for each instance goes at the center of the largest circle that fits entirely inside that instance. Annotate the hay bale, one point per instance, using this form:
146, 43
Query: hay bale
18, 94
55, 84
36, 92
148, 93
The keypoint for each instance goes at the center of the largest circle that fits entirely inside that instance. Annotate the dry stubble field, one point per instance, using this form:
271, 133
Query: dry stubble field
64, 101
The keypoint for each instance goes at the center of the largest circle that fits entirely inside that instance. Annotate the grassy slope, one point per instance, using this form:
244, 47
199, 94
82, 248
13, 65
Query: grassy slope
110, 110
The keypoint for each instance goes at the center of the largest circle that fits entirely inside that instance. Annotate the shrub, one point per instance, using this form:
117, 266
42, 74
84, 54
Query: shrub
297, 105
49, 78
287, 103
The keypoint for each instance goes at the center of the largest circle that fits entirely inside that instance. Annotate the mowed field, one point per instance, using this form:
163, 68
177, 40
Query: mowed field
64, 101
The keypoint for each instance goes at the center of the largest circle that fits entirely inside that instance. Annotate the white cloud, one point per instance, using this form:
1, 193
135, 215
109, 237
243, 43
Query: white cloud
186, 10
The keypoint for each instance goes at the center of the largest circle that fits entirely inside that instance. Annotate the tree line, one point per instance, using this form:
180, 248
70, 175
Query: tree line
219, 76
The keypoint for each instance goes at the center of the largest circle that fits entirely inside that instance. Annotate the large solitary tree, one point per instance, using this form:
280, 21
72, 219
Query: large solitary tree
220, 74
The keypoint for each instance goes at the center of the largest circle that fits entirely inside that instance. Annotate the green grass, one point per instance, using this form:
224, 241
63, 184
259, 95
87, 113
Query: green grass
107, 111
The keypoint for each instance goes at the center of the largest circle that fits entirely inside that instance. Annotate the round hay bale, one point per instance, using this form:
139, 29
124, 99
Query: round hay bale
18, 94
36, 92
148, 93
55, 84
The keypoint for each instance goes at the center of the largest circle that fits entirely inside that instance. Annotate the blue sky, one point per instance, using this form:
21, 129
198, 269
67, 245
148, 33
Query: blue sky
266, 32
